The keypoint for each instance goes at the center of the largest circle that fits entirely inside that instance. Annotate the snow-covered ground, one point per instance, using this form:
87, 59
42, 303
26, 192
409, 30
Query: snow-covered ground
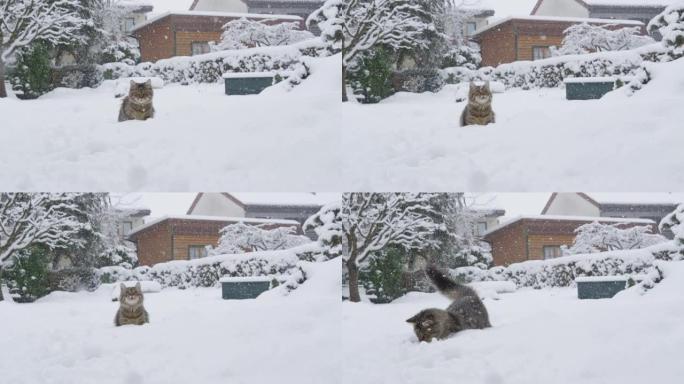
538, 336
540, 141
193, 337
200, 139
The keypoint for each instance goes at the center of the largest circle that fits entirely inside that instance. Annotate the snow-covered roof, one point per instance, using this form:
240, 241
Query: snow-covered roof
288, 199
637, 198
558, 19
212, 218
631, 3
503, 8
215, 14
161, 6
568, 218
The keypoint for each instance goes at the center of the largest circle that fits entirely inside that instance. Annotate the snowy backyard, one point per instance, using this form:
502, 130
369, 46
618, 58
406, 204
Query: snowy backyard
540, 336
200, 139
193, 337
540, 140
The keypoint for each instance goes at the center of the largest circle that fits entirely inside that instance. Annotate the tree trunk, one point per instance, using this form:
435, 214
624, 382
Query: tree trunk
3, 93
344, 83
353, 271
1, 280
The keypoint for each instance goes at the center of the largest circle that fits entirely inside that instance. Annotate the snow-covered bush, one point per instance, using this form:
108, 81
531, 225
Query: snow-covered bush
370, 77
417, 80
328, 19
27, 278
674, 222
598, 237
242, 238
206, 272
121, 255
32, 75
209, 68
586, 38
670, 24
327, 224
562, 271
243, 33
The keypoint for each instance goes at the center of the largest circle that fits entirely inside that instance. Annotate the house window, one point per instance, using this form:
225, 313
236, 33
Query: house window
539, 53
126, 227
481, 228
197, 251
552, 251
200, 47
471, 27
129, 23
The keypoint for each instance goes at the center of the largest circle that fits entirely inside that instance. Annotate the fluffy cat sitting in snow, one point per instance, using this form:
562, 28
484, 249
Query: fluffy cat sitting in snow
479, 109
131, 309
138, 104
465, 312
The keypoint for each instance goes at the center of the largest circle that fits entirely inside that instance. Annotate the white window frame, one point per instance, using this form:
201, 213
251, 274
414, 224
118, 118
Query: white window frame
204, 47
552, 247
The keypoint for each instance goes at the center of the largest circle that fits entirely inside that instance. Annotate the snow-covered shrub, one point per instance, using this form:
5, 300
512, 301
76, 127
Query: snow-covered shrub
73, 279
328, 19
598, 237
384, 275
32, 75
242, 238
562, 271
674, 222
27, 278
586, 38
243, 33
206, 272
120, 255
417, 80
327, 224
210, 67
77, 76
670, 24
369, 78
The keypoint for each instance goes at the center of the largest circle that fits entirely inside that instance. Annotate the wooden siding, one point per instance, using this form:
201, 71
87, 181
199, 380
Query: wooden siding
182, 242
155, 246
536, 243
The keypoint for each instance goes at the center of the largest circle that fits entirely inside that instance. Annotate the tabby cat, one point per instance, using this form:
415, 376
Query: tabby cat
465, 312
138, 104
131, 309
479, 109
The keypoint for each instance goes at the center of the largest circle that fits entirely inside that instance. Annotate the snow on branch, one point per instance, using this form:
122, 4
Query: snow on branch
37, 218
241, 238
584, 38
24, 21
243, 33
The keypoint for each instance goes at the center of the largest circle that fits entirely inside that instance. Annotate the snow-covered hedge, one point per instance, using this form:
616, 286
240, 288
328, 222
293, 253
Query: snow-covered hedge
206, 272
210, 67
548, 73
562, 271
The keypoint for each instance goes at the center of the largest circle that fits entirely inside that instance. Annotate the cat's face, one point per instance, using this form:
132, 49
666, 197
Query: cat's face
480, 93
140, 90
425, 326
131, 295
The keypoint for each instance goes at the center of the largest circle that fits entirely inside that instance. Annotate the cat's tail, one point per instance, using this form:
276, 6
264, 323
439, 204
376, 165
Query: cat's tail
447, 286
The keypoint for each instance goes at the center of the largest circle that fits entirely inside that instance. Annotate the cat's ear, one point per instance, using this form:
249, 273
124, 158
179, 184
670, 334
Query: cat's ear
132, 83
138, 287
148, 82
487, 84
414, 319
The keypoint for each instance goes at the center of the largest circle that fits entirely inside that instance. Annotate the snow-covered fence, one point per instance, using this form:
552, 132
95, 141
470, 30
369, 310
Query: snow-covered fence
207, 271
210, 67
562, 271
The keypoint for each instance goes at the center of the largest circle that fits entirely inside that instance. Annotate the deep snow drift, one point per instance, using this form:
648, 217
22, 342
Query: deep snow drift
540, 141
193, 337
200, 139
538, 336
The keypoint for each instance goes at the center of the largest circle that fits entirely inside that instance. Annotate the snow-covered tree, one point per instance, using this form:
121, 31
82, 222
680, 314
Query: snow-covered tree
327, 223
670, 24
23, 22
242, 238
111, 42
585, 38
599, 237
369, 24
373, 221
459, 242
452, 21
674, 222
328, 19
27, 219
243, 33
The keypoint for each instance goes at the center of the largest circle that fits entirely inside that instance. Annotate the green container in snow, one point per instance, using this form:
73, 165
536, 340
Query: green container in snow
600, 287
249, 83
588, 88
239, 288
